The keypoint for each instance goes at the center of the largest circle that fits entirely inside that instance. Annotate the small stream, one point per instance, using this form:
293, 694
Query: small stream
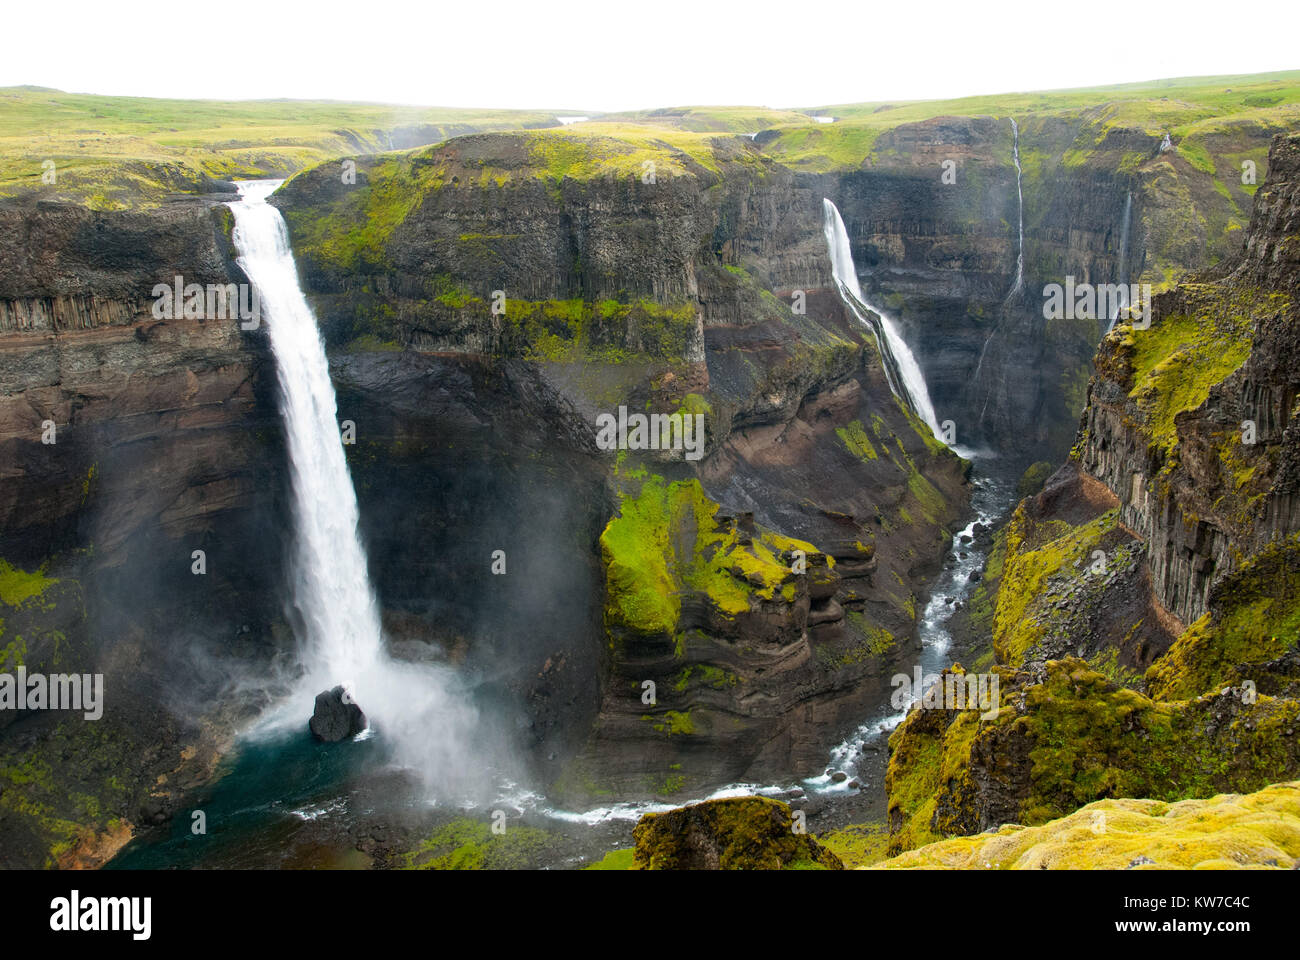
991, 498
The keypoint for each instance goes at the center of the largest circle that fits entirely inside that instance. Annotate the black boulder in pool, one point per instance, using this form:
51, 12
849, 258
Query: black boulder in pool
336, 716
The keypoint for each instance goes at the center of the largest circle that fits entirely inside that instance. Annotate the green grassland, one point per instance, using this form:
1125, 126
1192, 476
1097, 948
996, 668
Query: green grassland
713, 119
117, 151
1188, 108
1213, 96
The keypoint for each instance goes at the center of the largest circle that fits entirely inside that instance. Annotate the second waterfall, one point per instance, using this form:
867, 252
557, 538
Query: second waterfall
904, 373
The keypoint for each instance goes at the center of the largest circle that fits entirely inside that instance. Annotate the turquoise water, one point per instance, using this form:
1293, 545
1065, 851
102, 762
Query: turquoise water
285, 802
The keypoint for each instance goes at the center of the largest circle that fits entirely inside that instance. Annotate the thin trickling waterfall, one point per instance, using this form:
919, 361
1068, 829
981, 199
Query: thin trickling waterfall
1020, 208
1019, 282
901, 368
415, 707
1123, 260
979, 365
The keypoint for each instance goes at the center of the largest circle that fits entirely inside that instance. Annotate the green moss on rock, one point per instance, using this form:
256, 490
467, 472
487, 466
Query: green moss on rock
62, 801
1064, 736
614, 860
1228, 831
1035, 551
606, 332
666, 542
465, 844
737, 833
857, 845
855, 438
1031, 482
17, 587
1172, 365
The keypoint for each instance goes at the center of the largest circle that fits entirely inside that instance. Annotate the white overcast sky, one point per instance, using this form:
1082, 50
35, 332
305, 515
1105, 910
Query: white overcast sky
629, 54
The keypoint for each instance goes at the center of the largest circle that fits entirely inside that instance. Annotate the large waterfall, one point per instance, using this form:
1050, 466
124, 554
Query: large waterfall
901, 368
332, 591
414, 706
1020, 208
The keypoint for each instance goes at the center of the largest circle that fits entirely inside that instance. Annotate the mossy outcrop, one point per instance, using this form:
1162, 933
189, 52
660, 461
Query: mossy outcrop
738, 833
857, 845
1191, 422
1065, 735
713, 623
465, 844
1070, 579
621, 859
1032, 480
722, 627
668, 550
1258, 830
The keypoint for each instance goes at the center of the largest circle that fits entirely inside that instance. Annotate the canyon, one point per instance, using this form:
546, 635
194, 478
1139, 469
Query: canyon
486, 300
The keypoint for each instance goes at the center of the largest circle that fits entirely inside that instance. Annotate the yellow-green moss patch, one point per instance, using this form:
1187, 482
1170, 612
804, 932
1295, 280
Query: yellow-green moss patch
1253, 831
666, 541
465, 844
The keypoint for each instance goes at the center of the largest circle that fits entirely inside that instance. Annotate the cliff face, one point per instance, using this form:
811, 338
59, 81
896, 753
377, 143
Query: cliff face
129, 443
83, 350
934, 213
939, 246
1164, 553
663, 296
456, 459
1191, 423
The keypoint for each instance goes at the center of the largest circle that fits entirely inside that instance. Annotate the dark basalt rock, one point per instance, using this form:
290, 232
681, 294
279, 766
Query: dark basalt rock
1210, 502
168, 430
336, 716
